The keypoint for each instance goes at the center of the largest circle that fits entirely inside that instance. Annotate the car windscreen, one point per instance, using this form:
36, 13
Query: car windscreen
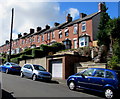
38, 67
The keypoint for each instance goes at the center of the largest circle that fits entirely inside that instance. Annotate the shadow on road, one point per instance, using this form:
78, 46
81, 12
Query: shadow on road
51, 82
7, 95
101, 95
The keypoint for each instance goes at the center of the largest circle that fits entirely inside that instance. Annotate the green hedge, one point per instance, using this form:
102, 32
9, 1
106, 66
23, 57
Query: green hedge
37, 52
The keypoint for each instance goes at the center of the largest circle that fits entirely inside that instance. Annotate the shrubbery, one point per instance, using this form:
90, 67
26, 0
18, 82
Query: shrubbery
37, 52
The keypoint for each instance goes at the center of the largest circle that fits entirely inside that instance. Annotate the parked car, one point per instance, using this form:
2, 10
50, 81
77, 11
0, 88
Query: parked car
9, 67
35, 72
96, 79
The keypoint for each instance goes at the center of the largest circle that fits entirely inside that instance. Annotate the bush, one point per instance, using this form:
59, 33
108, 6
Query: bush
57, 47
113, 63
15, 60
36, 53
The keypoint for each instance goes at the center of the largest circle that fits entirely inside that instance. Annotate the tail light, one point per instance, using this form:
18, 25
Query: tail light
12, 67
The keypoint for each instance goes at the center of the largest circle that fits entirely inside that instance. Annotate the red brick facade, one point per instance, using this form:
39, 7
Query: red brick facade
60, 33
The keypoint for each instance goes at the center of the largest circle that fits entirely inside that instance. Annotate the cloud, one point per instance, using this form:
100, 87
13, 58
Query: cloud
26, 15
74, 12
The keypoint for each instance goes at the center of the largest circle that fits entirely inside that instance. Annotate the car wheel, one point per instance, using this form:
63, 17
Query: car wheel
7, 71
22, 75
34, 77
72, 86
109, 94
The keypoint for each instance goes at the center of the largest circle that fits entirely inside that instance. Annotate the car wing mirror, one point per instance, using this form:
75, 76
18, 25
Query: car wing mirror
82, 76
31, 69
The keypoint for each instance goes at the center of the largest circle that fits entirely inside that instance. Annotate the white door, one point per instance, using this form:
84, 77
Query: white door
75, 44
57, 69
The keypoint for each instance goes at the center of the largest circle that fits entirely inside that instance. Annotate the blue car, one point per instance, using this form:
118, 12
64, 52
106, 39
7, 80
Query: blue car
35, 72
96, 79
9, 67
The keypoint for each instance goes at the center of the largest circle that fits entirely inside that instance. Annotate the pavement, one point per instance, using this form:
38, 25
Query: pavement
61, 81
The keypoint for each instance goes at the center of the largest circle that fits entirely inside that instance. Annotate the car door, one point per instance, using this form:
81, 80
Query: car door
29, 71
83, 80
24, 69
98, 80
110, 79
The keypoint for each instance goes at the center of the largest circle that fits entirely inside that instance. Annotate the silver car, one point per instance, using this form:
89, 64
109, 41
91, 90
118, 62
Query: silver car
35, 72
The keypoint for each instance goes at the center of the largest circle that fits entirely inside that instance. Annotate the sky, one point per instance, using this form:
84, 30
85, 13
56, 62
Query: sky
33, 13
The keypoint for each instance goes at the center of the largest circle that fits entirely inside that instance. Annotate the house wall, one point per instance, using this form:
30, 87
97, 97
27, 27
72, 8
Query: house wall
95, 24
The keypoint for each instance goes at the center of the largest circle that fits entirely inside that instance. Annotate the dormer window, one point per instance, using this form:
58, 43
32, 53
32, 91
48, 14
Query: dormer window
83, 26
66, 32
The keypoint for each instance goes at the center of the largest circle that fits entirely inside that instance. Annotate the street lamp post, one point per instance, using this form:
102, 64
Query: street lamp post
11, 34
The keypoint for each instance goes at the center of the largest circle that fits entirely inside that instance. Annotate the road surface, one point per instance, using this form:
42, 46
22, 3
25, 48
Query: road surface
15, 86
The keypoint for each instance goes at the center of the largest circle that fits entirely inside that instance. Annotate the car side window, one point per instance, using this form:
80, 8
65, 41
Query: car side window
29, 67
26, 66
99, 73
109, 74
7, 64
88, 72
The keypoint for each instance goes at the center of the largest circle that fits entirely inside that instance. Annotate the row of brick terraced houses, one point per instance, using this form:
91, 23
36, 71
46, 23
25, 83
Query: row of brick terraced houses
73, 34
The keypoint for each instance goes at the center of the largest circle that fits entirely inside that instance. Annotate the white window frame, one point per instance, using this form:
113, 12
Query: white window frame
66, 32
38, 39
75, 30
83, 24
53, 35
42, 37
60, 34
48, 36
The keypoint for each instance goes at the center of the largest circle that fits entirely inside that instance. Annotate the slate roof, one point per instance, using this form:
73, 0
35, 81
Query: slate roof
60, 26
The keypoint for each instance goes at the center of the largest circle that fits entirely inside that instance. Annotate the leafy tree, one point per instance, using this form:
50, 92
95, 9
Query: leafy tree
103, 37
113, 28
114, 31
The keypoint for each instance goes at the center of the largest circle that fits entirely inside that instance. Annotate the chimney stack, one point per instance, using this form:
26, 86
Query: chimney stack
82, 15
56, 24
100, 7
19, 35
38, 29
24, 34
47, 27
31, 31
68, 18
6, 42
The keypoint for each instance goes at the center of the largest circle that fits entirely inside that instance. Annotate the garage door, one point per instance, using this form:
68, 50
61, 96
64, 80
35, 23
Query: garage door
57, 69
